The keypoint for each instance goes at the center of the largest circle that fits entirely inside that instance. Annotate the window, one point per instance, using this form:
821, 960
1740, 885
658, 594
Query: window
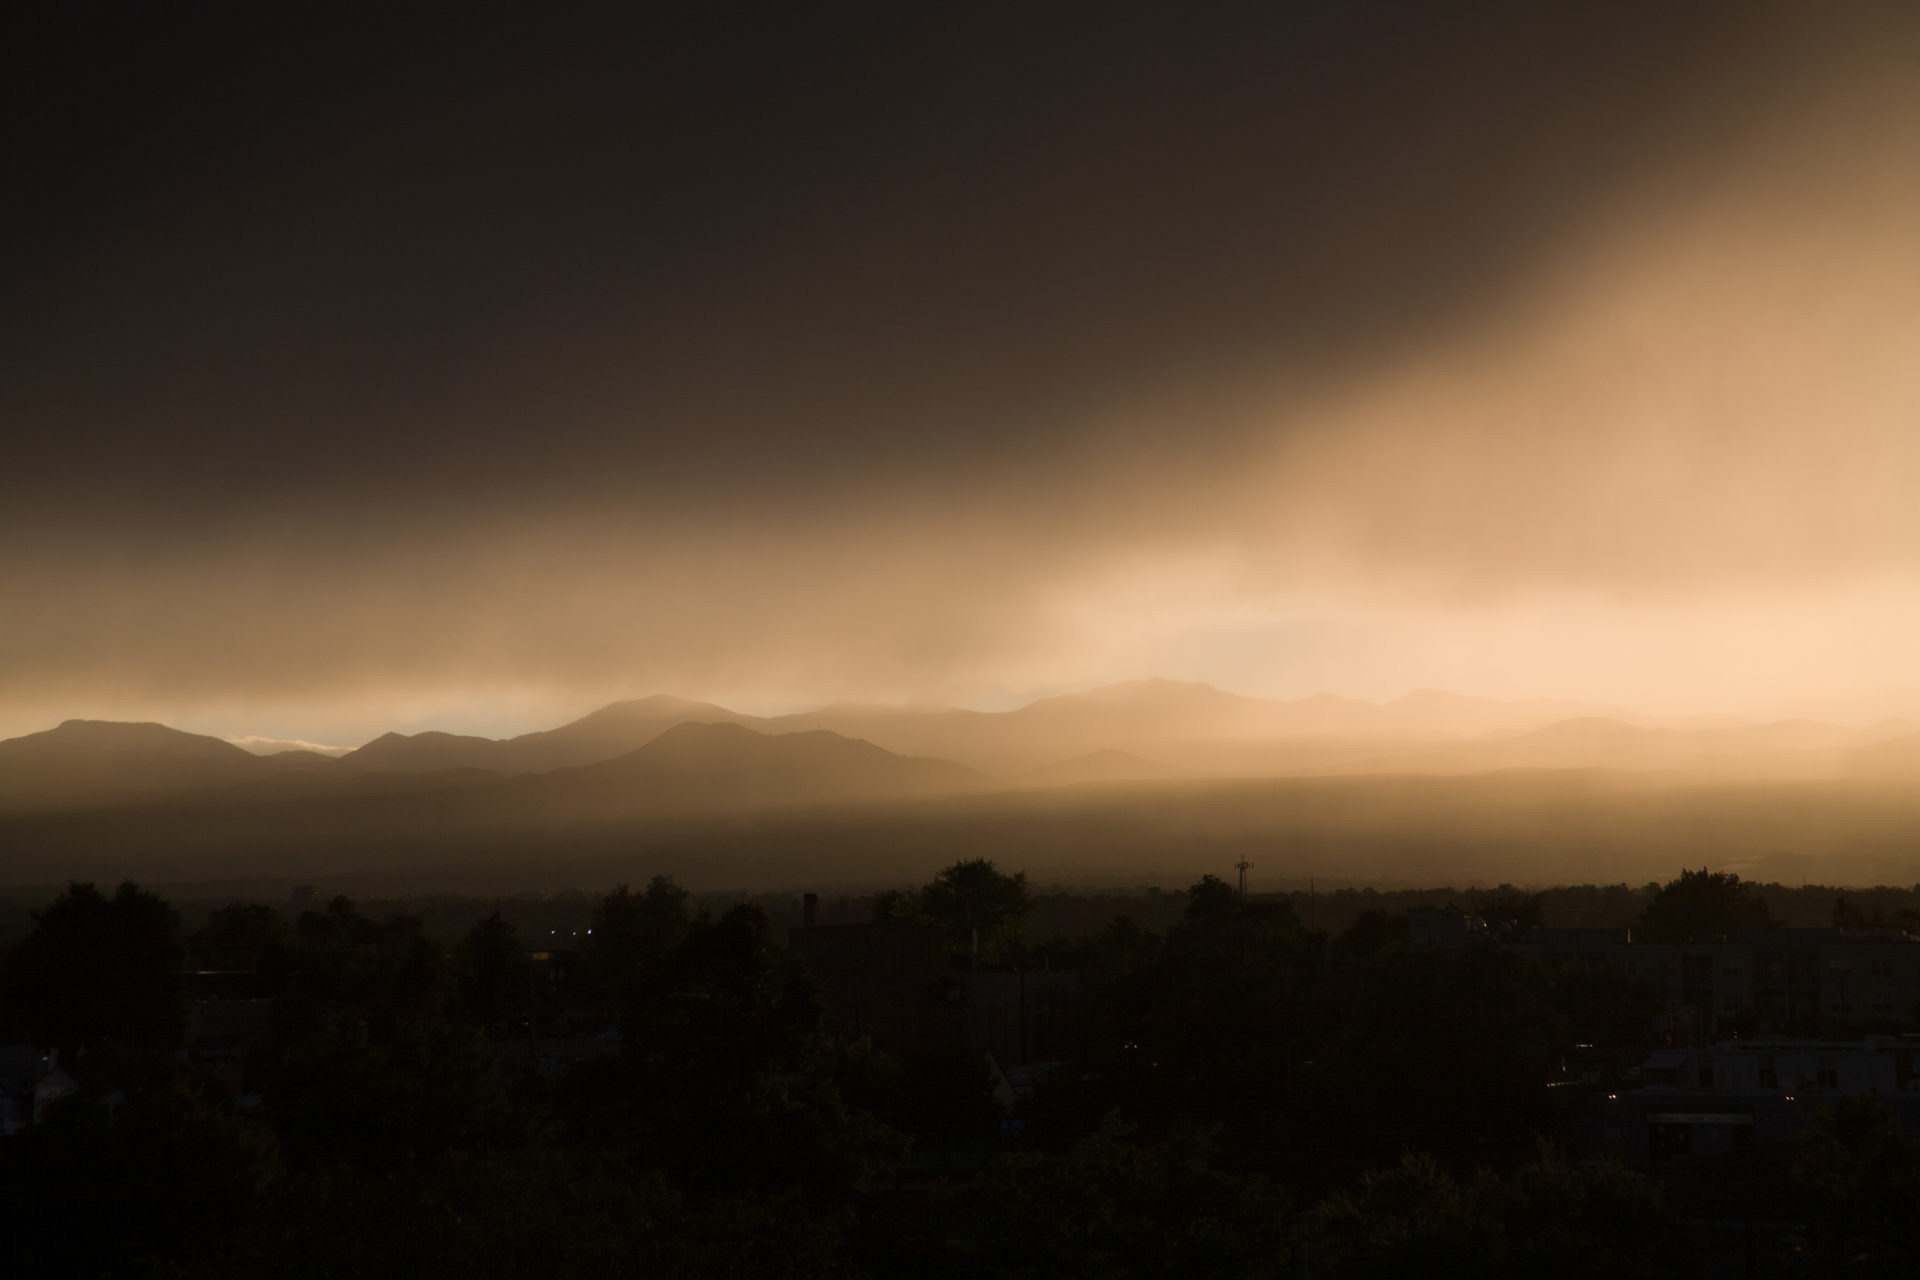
1829, 1077
1696, 971
1670, 1139
1706, 1074
1769, 1078
1882, 966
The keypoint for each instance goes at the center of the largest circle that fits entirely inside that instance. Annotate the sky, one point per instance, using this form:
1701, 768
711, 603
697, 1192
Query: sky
370, 367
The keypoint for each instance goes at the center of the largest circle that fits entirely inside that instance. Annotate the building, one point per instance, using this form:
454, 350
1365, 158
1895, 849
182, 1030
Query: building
1572, 948
1735, 1095
1782, 981
30, 1081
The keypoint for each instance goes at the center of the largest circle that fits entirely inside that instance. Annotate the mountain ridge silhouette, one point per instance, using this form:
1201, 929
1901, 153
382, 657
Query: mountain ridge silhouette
1133, 731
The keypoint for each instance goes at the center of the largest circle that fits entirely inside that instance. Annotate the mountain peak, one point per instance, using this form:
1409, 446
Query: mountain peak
111, 761
421, 752
138, 735
652, 705
117, 726
619, 718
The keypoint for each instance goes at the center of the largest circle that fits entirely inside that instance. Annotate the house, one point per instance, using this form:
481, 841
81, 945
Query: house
1738, 1094
31, 1081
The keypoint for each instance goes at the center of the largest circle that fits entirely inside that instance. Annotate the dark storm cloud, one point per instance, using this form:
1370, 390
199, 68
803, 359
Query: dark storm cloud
266, 250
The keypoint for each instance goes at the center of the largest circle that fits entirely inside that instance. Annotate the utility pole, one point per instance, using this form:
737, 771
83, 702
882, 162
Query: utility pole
1241, 866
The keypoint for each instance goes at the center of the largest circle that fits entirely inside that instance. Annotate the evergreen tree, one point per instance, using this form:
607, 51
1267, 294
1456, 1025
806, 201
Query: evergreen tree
97, 968
1702, 904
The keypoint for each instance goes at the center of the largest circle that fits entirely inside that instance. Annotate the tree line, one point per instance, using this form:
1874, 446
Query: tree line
1252, 1097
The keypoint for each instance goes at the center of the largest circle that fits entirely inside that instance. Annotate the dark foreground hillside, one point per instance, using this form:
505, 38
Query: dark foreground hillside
326, 1089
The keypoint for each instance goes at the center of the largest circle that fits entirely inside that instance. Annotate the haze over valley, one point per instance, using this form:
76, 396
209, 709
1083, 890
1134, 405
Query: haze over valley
1147, 779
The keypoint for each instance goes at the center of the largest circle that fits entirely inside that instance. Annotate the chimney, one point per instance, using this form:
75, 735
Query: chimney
810, 909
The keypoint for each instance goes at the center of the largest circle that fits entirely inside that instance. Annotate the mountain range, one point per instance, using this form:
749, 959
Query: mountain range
1142, 779
665, 754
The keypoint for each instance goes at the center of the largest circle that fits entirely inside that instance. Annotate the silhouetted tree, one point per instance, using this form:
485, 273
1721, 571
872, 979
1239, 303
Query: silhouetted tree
1211, 899
941, 1095
630, 937
373, 1073
973, 902
244, 935
1127, 945
382, 972
974, 898
167, 1178
1547, 1218
1443, 1049
1702, 904
493, 974
1371, 933
97, 968
1116, 1206
1861, 1178
724, 1079
898, 906
1848, 914
1207, 1024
